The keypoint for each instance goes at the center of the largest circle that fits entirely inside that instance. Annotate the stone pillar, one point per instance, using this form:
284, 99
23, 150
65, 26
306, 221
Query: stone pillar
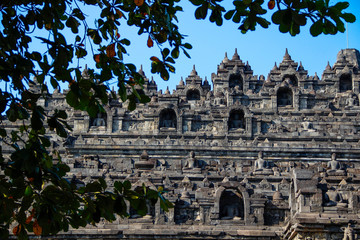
248, 121
109, 124
356, 86
121, 123
274, 103
171, 218
258, 206
179, 124
156, 125
86, 123
296, 101
258, 127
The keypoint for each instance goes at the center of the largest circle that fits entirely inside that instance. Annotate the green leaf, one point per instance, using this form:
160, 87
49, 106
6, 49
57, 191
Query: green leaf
197, 2
103, 183
72, 99
28, 191
169, 59
237, 17
125, 41
300, 19
284, 28
175, 53
187, 46
201, 12
127, 185
348, 17
132, 104
118, 186
144, 98
120, 206
186, 53
317, 28
341, 5
330, 28
165, 52
247, 2
294, 29
229, 14
263, 22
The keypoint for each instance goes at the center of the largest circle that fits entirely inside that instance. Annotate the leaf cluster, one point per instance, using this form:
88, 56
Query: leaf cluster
290, 15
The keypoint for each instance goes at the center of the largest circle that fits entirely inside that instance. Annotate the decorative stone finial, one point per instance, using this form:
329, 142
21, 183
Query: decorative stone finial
152, 82
277, 196
226, 60
328, 67
186, 179
300, 68
141, 72
145, 163
181, 83
275, 67
193, 72
343, 182
316, 77
287, 56
236, 55
248, 67
144, 155
167, 91
85, 73
206, 82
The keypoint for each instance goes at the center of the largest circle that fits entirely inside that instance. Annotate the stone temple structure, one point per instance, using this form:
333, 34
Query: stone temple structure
254, 158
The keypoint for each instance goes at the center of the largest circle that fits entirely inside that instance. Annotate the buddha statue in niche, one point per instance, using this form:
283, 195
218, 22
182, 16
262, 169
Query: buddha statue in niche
99, 121
192, 164
262, 166
335, 198
334, 166
231, 206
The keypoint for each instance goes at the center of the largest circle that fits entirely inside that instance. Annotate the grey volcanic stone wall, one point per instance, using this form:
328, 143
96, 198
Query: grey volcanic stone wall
254, 158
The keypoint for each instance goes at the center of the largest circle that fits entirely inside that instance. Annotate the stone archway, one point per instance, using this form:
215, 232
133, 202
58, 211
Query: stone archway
193, 94
345, 83
231, 205
284, 97
236, 120
168, 119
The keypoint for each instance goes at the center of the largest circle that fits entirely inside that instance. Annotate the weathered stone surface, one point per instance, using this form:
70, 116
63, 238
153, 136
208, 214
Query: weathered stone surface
252, 159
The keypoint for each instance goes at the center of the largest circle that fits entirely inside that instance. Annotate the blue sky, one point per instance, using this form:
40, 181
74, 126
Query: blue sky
261, 48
